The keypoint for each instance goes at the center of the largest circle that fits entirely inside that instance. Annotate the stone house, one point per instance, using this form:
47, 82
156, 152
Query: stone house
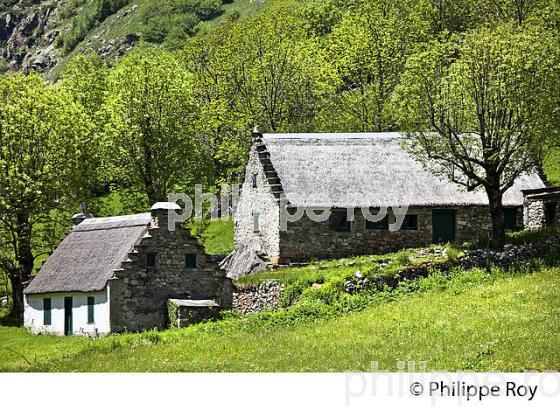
351, 171
542, 207
119, 273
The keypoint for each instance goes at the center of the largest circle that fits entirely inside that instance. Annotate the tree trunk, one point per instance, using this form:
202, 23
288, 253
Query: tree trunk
497, 216
17, 296
21, 273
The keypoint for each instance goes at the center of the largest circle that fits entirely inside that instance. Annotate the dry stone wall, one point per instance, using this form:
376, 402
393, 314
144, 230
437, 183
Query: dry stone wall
306, 239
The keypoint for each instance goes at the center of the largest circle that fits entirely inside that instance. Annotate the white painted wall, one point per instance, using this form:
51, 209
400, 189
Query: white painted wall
33, 315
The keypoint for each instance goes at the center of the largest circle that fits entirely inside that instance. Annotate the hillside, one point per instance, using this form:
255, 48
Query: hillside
471, 322
45, 35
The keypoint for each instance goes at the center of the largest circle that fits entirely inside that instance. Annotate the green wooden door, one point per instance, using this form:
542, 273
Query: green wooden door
68, 316
443, 225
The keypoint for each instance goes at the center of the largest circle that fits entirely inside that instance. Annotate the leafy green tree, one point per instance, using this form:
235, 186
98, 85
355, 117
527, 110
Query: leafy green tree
474, 107
173, 21
44, 140
369, 49
85, 80
265, 72
151, 109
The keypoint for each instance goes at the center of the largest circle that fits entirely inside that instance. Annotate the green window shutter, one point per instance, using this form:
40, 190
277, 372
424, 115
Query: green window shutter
90, 311
256, 224
47, 317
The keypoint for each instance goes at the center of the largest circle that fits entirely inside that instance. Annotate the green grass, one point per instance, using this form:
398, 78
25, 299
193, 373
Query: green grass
217, 238
473, 321
321, 271
552, 167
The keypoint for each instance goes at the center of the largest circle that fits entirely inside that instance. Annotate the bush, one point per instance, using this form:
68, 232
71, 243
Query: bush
526, 236
452, 253
3, 66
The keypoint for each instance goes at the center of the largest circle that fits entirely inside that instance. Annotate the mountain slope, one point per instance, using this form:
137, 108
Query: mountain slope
45, 35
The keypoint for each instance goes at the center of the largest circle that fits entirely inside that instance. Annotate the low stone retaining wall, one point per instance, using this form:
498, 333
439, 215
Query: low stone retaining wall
250, 298
481, 258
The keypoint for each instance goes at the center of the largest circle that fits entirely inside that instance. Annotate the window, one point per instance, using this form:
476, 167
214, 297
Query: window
338, 221
550, 213
381, 225
47, 317
256, 224
90, 309
190, 261
510, 218
254, 180
151, 260
410, 223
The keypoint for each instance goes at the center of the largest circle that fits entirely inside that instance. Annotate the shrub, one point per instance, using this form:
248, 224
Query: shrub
527, 236
452, 253
403, 258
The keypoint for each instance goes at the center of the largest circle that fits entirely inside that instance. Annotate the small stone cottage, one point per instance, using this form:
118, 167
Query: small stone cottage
119, 274
352, 171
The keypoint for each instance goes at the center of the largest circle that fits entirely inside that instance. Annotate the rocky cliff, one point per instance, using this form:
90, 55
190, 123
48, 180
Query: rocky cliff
29, 30
27, 34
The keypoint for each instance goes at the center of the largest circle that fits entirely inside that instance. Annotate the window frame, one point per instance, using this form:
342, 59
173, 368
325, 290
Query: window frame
414, 217
254, 182
337, 226
149, 255
190, 255
47, 311
90, 310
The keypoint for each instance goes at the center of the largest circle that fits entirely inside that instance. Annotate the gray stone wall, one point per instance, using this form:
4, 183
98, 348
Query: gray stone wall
261, 200
534, 212
307, 239
138, 298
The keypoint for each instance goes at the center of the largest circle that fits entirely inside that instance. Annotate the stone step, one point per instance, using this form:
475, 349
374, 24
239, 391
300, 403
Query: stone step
273, 180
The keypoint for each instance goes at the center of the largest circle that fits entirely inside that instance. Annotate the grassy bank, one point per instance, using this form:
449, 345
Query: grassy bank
473, 320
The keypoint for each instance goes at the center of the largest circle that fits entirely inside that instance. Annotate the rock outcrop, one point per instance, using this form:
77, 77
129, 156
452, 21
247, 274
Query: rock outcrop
28, 35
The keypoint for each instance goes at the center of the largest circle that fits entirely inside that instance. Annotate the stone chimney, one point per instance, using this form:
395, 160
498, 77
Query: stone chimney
257, 135
160, 213
80, 217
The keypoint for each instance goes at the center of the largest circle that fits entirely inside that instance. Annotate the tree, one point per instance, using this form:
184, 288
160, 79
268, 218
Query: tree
473, 108
151, 112
44, 136
85, 80
278, 76
265, 72
369, 49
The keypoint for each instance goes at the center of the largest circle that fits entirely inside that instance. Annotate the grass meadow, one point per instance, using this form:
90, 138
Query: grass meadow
472, 320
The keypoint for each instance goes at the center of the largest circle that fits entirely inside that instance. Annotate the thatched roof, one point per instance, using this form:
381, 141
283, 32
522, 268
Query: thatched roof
87, 257
366, 169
